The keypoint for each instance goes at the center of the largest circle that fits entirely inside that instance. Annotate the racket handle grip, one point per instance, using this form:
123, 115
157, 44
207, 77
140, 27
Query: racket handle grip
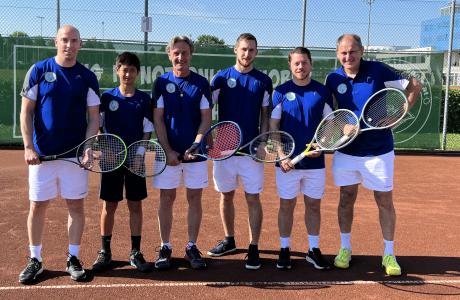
298, 158
47, 157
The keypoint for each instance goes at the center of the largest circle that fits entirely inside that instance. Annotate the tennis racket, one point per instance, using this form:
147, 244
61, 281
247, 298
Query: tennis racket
270, 146
220, 142
384, 109
100, 153
146, 158
335, 131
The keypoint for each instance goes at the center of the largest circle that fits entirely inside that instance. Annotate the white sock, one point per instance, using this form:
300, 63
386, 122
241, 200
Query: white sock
167, 244
313, 241
190, 244
345, 240
36, 252
388, 247
74, 250
285, 242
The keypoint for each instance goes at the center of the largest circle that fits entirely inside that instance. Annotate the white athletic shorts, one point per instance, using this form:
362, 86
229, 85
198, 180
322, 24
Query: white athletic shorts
310, 182
375, 173
226, 174
194, 175
52, 178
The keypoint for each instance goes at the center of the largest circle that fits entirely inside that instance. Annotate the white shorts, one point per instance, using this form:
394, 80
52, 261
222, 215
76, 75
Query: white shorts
194, 175
375, 173
52, 178
310, 182
226, 174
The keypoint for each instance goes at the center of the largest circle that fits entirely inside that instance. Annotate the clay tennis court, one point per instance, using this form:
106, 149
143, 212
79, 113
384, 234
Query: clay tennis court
427, 201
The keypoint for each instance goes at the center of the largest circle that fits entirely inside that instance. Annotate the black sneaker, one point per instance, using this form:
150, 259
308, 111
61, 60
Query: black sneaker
136, 259
103, 261
223, 247
317, 260
32, 270
193, 255
163, 261
252, 258
75, 269
284, 259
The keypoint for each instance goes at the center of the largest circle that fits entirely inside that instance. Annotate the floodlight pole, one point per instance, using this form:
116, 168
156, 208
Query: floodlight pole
304, 21
449, 62
58, 15
369, 22
41, 25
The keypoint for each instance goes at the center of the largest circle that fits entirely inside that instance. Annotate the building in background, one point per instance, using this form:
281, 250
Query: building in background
435, 34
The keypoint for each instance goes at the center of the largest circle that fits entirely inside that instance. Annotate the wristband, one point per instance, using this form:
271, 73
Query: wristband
140, 150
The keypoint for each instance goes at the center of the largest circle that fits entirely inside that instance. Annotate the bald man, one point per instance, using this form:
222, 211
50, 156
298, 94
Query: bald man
58, 95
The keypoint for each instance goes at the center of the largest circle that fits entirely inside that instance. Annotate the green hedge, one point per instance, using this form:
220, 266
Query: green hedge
453, 117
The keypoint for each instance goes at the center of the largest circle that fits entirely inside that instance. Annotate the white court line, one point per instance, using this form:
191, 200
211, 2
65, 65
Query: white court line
221, 284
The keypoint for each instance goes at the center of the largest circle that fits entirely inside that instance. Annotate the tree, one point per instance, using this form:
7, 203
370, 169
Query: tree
209, 40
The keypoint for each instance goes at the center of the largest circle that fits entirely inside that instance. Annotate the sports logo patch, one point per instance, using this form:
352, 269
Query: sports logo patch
113, 105
342, 88
50, 76
290, 96
171, 88
231, 82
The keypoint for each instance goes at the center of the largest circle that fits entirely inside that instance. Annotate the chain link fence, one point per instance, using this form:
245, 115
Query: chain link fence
276, 23
387, 28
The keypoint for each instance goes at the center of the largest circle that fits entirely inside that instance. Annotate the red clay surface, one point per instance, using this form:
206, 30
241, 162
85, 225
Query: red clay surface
427, 201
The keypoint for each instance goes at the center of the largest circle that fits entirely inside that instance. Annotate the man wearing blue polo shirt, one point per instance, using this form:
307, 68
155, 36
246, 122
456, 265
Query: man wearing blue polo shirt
60, 108
182, 115
299, 105
369, 159
242, 94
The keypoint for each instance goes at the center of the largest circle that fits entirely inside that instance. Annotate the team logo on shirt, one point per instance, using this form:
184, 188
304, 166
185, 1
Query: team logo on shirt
290, 96
231, 82
171, 87
50, 76
113, 105
342, 88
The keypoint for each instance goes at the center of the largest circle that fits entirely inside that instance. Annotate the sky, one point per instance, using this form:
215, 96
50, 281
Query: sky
276, 23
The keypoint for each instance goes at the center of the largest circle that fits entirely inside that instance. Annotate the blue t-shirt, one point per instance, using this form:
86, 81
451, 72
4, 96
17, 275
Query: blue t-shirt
302, 109
240, 97
62, 95
352, 94
125, 116
182, 100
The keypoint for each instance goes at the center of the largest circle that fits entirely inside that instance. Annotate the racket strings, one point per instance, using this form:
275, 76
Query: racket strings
336, 130
222, 141
385, 111
102, 153
272, 146
146, 158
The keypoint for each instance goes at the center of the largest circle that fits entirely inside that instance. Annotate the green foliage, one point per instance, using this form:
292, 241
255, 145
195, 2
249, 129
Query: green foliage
209, 40
453, 116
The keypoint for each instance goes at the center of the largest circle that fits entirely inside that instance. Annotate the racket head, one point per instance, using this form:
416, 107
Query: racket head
272, 146
146, 158
107, 152
337, 130
384, 109
221, 141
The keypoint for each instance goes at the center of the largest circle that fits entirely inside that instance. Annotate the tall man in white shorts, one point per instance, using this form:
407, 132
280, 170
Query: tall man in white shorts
182, 115
299, 105
369, 159
242, 94
57, 96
